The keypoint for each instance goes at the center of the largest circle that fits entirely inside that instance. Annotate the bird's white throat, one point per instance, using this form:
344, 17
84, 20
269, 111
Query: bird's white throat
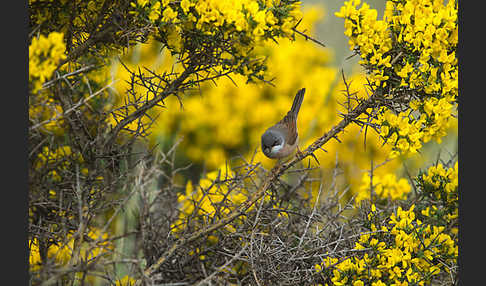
276, 149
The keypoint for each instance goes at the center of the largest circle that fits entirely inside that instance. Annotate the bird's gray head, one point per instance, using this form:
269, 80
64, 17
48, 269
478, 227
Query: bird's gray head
272, 142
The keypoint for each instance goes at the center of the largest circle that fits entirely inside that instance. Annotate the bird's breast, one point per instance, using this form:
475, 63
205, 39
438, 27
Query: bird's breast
285, 150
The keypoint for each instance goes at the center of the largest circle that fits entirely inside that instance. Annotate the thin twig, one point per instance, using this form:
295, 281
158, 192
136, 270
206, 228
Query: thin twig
307, 37
74, 107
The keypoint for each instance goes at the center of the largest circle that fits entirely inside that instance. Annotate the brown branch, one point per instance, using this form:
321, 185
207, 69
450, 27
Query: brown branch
139, 112
65, 76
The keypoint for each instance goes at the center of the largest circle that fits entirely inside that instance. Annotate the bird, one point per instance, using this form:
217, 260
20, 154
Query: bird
280, 140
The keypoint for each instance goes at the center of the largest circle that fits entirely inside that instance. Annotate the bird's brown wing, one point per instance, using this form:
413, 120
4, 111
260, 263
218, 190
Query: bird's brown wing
288, 126
290, 120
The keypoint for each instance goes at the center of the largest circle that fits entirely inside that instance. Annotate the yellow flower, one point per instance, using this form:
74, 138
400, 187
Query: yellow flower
403, 126
251, 7
154, 12
287, 27
384, 130
174, 39
34, 255
240, 22
125, 281
142, 2
45, 53
259, 17
258, 31
378, 283
405, 71
169, 15
270, 18
186, 5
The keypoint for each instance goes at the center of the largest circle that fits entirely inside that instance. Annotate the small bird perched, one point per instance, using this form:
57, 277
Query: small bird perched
280, 140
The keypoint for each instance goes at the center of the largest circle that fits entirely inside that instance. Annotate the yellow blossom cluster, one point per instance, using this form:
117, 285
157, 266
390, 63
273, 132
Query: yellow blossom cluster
34, 255
51, 156
407, 132
428, 29
125, 281
56, 16
48, 156
63, 252
253, 17
436, 116
369, 35
443, 179
240, 25
61, 157
387, 186
45, 110
410, 54
425, 34
402, 131
209, 199
50, 13
45, 53
439, 188
402, 251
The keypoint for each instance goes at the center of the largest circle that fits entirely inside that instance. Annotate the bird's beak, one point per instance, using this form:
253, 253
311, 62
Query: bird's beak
266, 150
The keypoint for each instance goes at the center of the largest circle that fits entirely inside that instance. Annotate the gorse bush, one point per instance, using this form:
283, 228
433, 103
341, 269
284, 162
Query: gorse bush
145, 121
411, 58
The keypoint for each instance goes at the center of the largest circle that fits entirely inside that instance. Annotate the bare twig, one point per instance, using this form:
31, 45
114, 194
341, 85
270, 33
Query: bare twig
71, 109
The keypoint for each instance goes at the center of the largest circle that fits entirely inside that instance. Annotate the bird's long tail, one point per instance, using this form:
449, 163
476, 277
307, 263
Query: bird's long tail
299, 97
